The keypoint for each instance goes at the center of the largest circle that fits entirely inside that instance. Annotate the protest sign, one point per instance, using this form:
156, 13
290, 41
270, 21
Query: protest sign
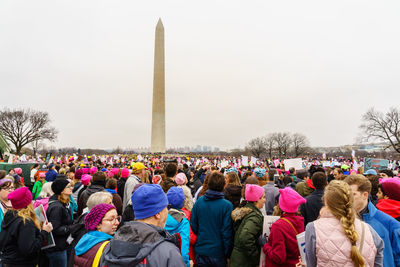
376, 164
301, 242
276, 162
268, 221
48, 156
245, 160
41, 216
295, 163
253, 161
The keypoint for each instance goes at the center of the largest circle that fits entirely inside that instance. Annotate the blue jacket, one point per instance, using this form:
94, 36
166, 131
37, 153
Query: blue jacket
89, 240
389, 230
177, 223
51, 175
211, 222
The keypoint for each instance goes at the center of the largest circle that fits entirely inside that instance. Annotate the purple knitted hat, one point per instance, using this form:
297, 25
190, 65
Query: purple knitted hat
96, 214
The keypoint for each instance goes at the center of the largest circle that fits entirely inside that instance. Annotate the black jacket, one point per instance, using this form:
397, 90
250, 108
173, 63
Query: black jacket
20, 243
310, 209
83, 198
59, 215
121, 187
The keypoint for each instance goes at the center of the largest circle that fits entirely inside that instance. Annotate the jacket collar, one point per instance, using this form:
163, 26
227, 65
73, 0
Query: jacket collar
212, 195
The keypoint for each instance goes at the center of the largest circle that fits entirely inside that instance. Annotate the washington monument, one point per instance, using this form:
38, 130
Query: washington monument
158, 116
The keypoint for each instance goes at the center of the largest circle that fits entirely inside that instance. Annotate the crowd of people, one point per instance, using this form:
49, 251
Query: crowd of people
169, 212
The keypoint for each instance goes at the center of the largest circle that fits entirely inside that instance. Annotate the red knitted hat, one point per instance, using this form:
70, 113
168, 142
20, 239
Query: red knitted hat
20, 198
96, 214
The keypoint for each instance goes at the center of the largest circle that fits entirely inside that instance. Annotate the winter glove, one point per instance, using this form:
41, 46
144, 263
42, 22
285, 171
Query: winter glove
262, 240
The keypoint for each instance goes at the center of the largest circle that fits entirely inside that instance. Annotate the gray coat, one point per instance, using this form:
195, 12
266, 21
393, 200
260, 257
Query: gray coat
141, 244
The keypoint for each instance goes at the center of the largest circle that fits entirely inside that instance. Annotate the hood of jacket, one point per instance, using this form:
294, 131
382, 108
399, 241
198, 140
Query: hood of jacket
133, 242
93, 188
389, 206
239, 213
174, 219
213, 195
89, 240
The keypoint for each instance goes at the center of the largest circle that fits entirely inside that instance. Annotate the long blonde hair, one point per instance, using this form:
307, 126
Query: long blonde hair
339, 200
28, 213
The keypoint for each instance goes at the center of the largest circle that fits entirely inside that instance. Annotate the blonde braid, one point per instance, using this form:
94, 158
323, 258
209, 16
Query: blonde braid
339, 199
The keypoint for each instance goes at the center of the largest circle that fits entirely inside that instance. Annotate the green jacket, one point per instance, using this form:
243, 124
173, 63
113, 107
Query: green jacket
37, 188
303, 189
248, 224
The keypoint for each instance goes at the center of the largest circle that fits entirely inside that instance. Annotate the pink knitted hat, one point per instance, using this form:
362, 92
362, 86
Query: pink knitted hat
93, 170
96, 214
125, 173
290, 200
85, 179
18, 171
253, 192
110, 174
115, 171
85, 170
20, 198
180, 178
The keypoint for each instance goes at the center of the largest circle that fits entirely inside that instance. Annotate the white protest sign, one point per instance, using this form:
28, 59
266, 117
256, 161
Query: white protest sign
326, 164
224, 163
268, 221
253, 161
245, 160
295, 163
301, 242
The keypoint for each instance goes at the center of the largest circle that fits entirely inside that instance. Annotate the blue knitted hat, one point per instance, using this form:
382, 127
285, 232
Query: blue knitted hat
259, 172
176, 197
148, 200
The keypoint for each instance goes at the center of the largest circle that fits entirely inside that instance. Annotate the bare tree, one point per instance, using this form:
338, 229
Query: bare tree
24, 126
300, 144
270, 144
256, 146
383, 127
283, 141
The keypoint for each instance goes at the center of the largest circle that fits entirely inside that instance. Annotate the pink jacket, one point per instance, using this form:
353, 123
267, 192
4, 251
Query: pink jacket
333, 247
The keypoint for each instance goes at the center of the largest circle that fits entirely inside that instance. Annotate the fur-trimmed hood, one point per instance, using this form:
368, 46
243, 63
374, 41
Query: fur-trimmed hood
240, 213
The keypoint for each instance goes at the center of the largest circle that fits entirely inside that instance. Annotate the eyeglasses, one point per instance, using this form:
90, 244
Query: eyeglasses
9, 188
69, 186
113, 220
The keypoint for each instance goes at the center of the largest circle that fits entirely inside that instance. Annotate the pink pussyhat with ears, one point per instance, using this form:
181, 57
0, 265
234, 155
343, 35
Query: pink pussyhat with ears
290, 200
93, 170
253, 192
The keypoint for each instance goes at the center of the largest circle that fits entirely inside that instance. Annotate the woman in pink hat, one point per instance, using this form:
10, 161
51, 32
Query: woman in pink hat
248, 223
22, 236
281, 248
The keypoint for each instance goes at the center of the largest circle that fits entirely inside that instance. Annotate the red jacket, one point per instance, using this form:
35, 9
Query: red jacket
390, 207
281, 248
193, 237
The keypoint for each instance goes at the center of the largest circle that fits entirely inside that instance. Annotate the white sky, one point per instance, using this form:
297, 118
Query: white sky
234, 69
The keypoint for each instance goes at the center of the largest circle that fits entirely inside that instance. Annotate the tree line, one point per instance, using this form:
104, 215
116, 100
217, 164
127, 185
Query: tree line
280, 144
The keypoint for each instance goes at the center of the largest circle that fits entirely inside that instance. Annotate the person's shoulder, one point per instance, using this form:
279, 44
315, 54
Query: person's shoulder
386, 219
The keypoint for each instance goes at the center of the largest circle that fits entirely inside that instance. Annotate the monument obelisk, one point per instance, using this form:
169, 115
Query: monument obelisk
158, 115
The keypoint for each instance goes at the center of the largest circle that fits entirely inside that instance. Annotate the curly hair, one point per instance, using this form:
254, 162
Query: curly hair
339, 199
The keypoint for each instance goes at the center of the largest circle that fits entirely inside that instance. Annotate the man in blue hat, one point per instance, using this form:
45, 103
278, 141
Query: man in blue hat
144, 242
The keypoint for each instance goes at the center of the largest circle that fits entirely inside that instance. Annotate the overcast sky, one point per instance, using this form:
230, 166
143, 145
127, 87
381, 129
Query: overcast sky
234, 69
